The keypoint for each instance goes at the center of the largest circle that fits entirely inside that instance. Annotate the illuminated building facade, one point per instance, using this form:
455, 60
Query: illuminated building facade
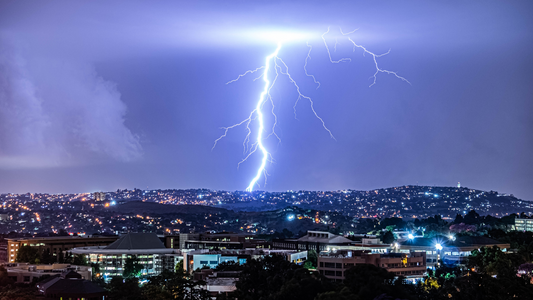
212, 241
147, 247
55, 245
200, 258
325, 241
452, 250
521, 224
334, 264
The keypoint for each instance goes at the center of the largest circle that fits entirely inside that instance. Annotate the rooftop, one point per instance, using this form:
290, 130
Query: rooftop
324, 237
137, 241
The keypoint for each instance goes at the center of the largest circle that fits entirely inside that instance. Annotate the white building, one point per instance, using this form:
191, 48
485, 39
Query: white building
523, 224
147, 247
199, 258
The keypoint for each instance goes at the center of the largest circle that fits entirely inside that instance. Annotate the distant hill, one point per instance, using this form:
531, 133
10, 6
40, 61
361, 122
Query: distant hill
140, 207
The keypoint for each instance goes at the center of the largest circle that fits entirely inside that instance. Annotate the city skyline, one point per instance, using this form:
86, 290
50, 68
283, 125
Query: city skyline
97, 97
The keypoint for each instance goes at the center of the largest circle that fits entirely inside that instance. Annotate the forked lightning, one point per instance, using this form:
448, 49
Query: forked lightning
280, 67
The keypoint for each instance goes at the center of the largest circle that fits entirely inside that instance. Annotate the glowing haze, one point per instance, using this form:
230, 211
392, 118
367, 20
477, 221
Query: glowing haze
272, 59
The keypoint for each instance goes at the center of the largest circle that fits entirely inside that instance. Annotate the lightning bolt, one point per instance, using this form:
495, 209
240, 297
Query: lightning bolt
374, 57
273, 61
305, 65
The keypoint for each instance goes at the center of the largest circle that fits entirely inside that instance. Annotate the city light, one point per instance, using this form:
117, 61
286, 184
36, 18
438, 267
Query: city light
411, 236
438, 246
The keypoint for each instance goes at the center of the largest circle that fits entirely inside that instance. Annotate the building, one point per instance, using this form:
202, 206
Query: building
198, 259
521, 224
218, 282
325, 241
449, 250
207, 240
3, 252
99, 196
369, 243
334, 264
56, 244
26, 273
70, 285
147, 247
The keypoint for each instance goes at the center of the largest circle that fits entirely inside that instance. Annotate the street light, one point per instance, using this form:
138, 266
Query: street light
438, 246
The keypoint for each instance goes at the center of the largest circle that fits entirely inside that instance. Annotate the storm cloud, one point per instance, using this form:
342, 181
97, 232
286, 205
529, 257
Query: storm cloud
56, 112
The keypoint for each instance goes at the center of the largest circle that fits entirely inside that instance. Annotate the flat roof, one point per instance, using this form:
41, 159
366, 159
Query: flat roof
103, 250
61, 238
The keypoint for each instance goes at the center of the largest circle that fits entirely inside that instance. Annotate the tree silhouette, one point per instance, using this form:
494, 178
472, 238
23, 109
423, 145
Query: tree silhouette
132, 267
388, 237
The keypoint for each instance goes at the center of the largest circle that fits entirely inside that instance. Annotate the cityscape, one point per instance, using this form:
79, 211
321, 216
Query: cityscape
124, 244
174, 211
266, 150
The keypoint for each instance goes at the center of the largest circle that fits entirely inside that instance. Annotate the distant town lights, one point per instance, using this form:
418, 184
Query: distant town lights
438, 246
290, 217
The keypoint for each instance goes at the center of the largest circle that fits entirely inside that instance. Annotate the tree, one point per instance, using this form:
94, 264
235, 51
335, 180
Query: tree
388, 237
124, 289
492, 261
394, 222
18, 292
79, 260
463, 228
434, 229
9, 290
47, 257
4, 278
229, 266
367, 281
132, 267
68, 258
365, 225
179, 266
484, 286
273, 277
173, 285
312, 258
458, 219
27, 254
526, 252
472, 217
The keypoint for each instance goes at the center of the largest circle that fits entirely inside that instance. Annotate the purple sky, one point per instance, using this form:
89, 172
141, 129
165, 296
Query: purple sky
99, 96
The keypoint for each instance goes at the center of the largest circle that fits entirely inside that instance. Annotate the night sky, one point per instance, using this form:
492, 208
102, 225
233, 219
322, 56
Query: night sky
100, 96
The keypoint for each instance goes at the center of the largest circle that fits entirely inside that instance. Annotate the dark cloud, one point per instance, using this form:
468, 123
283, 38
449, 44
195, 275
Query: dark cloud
58, 112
